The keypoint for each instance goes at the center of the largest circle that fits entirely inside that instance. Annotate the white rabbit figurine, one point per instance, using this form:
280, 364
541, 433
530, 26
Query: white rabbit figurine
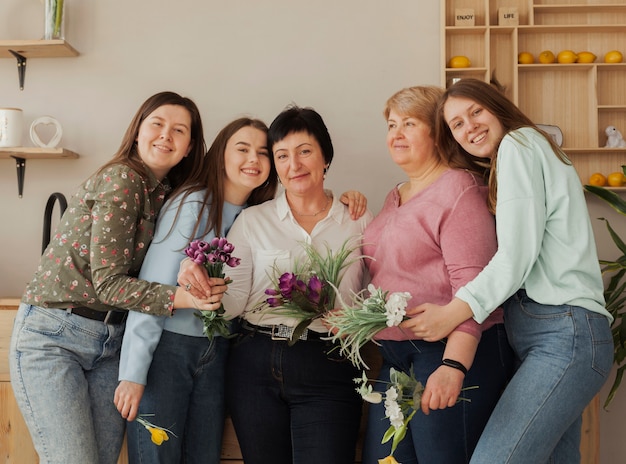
615, 139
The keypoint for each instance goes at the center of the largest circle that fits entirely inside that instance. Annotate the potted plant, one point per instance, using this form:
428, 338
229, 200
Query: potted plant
615, 291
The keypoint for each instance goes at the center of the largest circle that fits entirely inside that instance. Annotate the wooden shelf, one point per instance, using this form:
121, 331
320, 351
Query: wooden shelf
21, 154
37, 48
582, 99
36, 153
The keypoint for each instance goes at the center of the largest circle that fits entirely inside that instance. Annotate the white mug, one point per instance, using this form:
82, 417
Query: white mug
11, 121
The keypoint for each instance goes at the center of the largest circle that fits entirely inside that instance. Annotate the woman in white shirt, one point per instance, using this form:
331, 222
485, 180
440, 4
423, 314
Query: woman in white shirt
291, 403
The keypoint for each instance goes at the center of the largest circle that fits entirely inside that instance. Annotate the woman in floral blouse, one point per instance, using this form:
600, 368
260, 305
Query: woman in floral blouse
66, 340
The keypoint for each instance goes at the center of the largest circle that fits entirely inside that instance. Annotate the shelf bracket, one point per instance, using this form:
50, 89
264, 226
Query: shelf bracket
21, 67
20, 164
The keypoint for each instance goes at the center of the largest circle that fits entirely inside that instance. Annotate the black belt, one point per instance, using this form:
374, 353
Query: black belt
108, 317
281, 332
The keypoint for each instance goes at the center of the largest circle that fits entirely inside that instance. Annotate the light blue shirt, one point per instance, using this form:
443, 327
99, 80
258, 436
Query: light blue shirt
545, 240
162, 262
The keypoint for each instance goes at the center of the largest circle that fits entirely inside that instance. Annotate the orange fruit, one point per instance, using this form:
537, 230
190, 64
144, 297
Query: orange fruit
546, 57
597, 179
613, 56
525, 58
586, 57
459, 62
616, 179
567, 57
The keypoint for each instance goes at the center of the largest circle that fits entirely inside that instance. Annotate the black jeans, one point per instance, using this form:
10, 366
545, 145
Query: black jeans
292, 404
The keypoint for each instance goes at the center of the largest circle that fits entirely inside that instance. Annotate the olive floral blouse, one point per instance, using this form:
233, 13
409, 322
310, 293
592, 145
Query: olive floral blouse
98, 248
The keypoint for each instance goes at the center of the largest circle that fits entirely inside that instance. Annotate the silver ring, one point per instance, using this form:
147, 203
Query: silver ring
188, 287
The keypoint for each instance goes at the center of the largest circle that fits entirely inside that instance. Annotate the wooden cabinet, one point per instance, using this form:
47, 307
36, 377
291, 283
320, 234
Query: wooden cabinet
582, 99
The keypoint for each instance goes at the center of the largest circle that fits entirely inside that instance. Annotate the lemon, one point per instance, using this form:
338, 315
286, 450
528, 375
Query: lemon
597, 179
546, 57
459, 62
616, 179
613, 56
567, 57
525, 58
586, 57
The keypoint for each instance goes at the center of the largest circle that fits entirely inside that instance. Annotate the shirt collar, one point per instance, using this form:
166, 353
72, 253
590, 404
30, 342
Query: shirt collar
337, 209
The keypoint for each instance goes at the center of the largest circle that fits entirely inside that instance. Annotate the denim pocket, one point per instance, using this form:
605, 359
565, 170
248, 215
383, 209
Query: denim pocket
41, 321
602, 343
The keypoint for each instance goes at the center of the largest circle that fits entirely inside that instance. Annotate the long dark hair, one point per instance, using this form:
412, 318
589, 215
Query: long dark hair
183, 173
509, 115
211, 179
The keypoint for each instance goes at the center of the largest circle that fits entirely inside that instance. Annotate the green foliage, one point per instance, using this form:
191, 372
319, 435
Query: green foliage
615, 291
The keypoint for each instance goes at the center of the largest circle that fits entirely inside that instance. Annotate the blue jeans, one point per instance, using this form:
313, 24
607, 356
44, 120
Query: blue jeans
445, 436
566, 354
292, 404
64, 374
185, 392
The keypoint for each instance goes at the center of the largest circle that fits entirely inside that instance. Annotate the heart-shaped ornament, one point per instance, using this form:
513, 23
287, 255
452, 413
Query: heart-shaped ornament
39, 127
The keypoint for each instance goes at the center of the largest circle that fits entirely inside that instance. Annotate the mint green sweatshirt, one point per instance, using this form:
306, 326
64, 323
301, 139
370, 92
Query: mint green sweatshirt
545, 240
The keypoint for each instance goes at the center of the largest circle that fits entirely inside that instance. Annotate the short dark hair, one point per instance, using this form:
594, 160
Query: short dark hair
296, 119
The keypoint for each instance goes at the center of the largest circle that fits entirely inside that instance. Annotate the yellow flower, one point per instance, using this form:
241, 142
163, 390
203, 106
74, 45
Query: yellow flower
158, 435
388, 460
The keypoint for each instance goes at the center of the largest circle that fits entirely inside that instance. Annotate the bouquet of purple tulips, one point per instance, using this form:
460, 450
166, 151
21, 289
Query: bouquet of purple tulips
213, 255
309, 292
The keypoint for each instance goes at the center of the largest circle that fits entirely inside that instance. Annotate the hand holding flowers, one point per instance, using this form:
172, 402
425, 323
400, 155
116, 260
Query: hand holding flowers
213, 256
309, 292
356, 325
402, 400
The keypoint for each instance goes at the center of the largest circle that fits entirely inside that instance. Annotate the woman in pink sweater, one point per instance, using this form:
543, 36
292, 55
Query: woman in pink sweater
433, 235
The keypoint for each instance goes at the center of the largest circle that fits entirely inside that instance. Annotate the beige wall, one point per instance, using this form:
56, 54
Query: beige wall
232, 57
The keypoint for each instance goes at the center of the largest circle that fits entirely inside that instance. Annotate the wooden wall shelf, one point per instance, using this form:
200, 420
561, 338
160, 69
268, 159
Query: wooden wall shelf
37, 48
21, 50
582, 99
21, 154
37, 153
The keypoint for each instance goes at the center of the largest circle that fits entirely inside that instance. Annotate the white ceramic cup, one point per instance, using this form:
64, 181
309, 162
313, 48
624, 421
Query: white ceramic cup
11, 121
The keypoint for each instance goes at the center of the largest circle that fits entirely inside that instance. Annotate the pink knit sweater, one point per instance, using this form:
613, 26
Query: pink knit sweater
432, 245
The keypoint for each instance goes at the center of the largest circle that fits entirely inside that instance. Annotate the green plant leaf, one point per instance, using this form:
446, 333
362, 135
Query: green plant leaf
616, 384
612, 198
616, 238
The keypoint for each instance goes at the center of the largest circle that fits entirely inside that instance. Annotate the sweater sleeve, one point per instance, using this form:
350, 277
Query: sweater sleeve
468, 242
143, 331
520, 219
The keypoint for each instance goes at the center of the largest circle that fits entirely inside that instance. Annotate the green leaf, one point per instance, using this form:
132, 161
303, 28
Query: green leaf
612, 198
388, 434
298, 331
615, 386
398, 437
618, 241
